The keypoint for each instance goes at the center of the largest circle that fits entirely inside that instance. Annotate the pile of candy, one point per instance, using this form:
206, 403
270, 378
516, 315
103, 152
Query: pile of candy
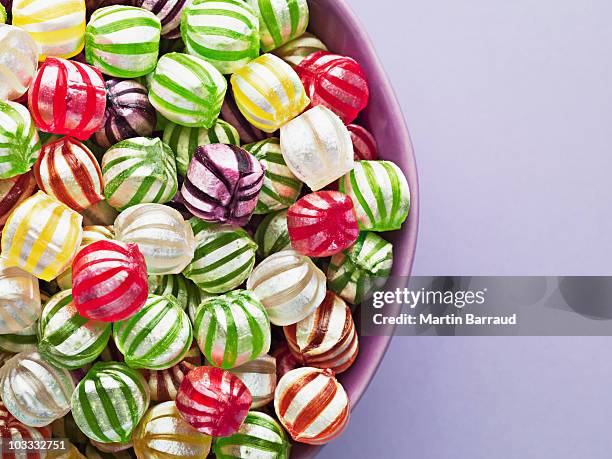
178, 180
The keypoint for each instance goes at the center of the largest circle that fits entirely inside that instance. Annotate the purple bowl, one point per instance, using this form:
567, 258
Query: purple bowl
334, 22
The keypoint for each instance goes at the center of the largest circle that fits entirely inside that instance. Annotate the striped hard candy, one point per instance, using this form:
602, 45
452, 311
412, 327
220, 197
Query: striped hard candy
12, 429
224, 257
93, 5
259, 375
327, 338
67, 339
123, 41
169, 13
109, 402
164, 384
68, 98
156, 337
298, 49
289, 285
35, 391
138, 171
223, 184
109, 281
260, 436
101, 214
311, 405
380, 192
185, 291
364, 267
184, 140
232, 114
214, 401
317, 147
224, 32
3, 15
163, 434
364, 143
18, 61
68, 171
114, 447
42, 236
128, 113
165, 239
187, 90
285, 361
322, 224
25, 340
14, 191
232, 329
19, 144
57, 27
268, 92
336, 82
280, 21
281, 188
272, 234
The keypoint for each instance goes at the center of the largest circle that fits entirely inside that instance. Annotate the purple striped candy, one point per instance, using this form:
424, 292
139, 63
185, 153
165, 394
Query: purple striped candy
168, 12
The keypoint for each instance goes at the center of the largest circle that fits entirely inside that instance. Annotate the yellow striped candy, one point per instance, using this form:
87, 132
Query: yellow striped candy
42, 236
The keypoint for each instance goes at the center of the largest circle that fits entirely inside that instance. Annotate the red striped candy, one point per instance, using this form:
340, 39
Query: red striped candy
312, 405
13, 191
68, 98
364, 143
67, 170
109, 281
322, 224
214, 401
326, 338
13, 430
337, 82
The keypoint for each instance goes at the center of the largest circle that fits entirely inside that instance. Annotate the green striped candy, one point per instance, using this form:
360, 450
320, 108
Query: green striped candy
67, 339
19, 144
184, 140
187, 90
281, 188
138, 171
380, 194
259, 436
280, 21
224, 32
357, 271
224, 256
109, 402
185, 291
23, 341
156, 337
272, 234
232, 329
2, 14
123, 41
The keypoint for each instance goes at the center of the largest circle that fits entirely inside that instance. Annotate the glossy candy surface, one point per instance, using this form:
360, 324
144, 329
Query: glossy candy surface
280, 21
58, 27
25, 340
67, 170
272, 234
41, 236
128, 114
20, 300
336, 82
364, 143
169, 13
232, 114
214, 401
232, 329
123, 41
109, 281
312, 405
380, 192
19, 144
259, 375
13, 191
322, 224
109, 402
298, 49
165, 239
68, 98
184, 290
289, 285
268, 92
223, 184
187, 90
35, 391
317, 147
11, 429
138, 171
156, 337
18, 61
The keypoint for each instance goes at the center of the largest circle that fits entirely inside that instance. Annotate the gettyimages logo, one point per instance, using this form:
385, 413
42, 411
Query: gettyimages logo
414, 299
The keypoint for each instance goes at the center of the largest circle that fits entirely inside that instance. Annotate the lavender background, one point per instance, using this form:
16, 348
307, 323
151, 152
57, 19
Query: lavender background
509, 107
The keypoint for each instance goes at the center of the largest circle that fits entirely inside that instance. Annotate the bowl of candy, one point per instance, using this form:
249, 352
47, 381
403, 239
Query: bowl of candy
195, 197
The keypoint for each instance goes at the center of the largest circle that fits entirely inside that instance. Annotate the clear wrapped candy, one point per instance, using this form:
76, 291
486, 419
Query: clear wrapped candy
18, 61
272, 234
280, 21
20, 300
13, 191
19, 144
259, 375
